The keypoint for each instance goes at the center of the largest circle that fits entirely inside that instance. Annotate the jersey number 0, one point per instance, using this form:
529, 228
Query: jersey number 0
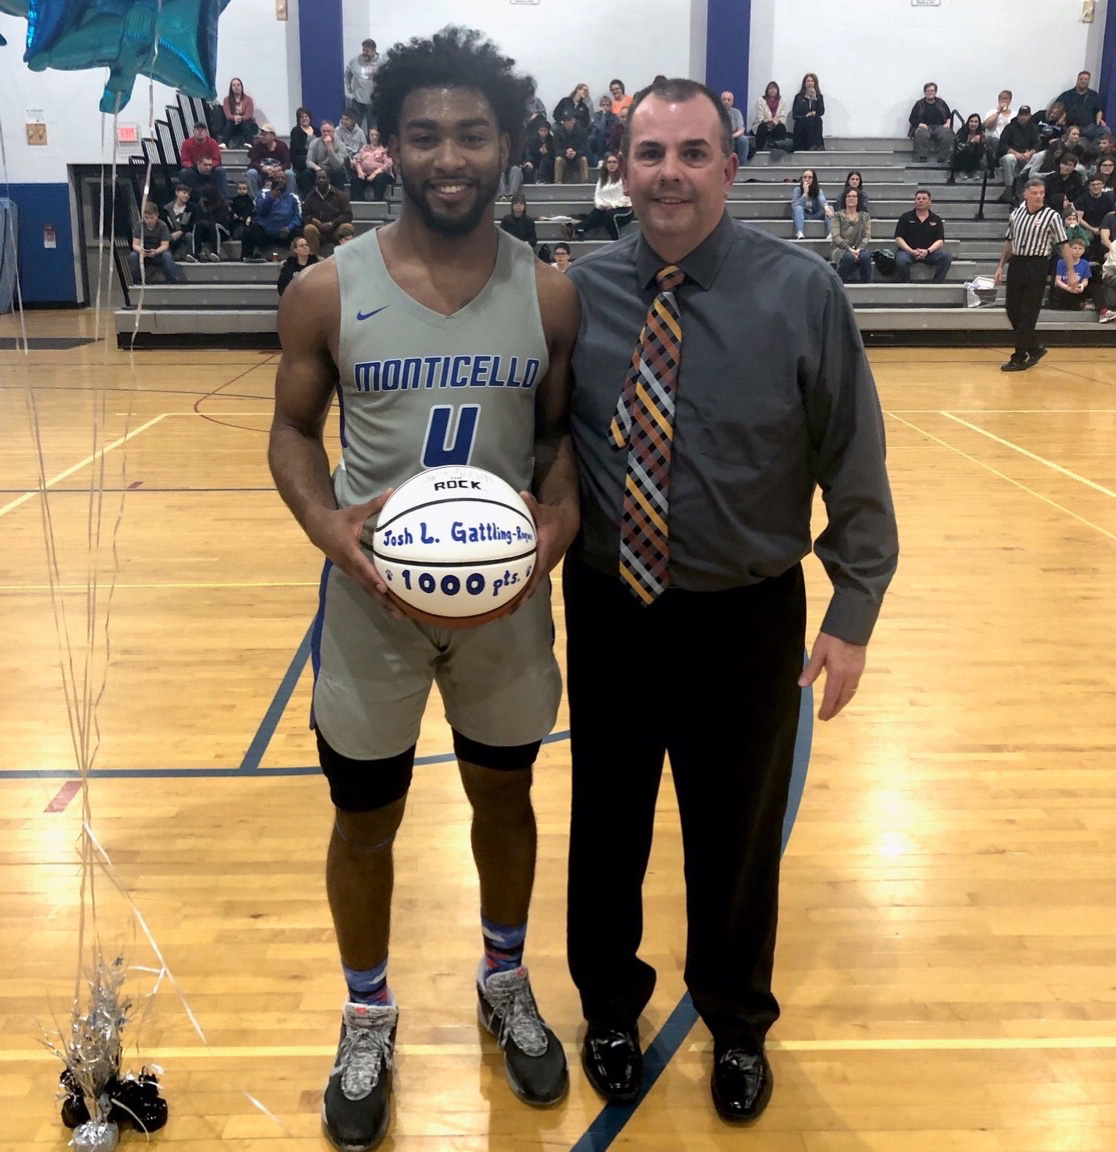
448, 442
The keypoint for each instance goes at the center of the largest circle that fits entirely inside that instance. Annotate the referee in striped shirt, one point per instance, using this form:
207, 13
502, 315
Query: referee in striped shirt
1033, 232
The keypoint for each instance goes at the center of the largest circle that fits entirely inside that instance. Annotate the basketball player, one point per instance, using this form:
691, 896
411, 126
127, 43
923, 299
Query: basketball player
446, 342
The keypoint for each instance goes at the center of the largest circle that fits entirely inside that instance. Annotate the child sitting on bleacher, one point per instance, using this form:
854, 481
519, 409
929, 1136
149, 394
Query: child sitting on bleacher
240, 210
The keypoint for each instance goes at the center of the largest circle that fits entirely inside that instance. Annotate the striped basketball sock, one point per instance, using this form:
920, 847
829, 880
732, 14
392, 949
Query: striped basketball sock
503, 946
368, 987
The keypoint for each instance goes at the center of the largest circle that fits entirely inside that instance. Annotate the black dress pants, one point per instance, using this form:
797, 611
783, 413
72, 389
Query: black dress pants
1027, 277
709, 678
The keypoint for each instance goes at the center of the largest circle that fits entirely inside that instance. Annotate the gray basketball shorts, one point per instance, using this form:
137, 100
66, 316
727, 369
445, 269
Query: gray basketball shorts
500, 682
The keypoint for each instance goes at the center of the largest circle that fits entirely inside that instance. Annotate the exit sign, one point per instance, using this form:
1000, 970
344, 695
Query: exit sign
127, 133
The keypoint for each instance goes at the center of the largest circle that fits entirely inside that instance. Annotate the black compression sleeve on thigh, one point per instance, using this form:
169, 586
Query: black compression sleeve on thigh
365, 785
510, 759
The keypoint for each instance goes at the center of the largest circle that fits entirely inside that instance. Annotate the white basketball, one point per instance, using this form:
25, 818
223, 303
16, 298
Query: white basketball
455, 542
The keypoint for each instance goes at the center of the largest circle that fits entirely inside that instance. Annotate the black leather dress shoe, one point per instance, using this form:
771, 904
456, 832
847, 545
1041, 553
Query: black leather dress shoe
613, 1062
742, 1084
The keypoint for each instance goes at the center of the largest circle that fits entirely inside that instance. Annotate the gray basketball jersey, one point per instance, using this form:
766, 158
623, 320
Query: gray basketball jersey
421, 390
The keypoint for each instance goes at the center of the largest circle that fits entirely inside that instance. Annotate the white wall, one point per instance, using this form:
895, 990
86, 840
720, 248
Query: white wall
559, 42
873, 56
252, 44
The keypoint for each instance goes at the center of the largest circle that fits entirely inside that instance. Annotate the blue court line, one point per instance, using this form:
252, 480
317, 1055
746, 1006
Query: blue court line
274, 714
672, 1035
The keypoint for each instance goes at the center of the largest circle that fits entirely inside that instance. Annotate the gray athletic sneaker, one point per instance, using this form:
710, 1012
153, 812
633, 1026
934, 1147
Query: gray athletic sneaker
355, 1111
533, 1059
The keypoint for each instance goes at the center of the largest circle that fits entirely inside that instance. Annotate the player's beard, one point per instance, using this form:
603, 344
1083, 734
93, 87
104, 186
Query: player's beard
446, 225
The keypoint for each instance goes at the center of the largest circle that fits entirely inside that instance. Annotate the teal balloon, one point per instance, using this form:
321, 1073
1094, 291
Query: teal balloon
12, 8
174, 42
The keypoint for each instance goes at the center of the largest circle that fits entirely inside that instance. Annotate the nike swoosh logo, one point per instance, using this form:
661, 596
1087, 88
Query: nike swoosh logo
369, 315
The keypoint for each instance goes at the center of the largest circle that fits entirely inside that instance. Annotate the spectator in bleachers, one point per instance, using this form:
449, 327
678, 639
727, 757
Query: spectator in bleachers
808, 202
511, 180
349, 135
1106, 168
576, 104
373, 170
616, 132
178, 215
1084, 107
621, 101
202, 176
998, 119
1073, 143
1093, 206
1052, 123
360, 80
612, 209
969, 149
344, 234
519, 224
323, 212
268, 151
301, 257
327, 155
212, 225
855, 180
1019, 144
739, 131
1072, 298
241, 207
561, 257
301, 135
533, 109
770, 121
275, 218
930, 126
920, 239
1064, 185
151, 243
1075, 230
1104, 145
202, 144
571, 145
240, 117
851, 233
603, 120
1108, 282
538, 155
807, 111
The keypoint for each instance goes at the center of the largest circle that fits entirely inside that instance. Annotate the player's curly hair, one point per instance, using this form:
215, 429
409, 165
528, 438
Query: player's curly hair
455, 57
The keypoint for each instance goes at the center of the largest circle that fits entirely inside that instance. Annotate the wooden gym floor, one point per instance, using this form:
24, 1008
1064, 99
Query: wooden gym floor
948, 941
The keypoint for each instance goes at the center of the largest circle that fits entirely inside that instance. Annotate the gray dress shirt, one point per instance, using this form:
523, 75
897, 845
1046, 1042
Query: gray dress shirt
774, 397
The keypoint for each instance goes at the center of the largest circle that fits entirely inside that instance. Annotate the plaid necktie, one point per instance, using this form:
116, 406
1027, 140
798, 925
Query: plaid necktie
644, 423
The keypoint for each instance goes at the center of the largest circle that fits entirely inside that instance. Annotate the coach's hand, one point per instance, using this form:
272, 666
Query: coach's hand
844, 665
556, 526
337, 532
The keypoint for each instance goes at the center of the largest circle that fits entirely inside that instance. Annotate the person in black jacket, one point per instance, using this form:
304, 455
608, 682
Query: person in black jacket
518, 224
577, 103
929, 125
969, 148
1064, 184
1019, 142
301, 135
538, 155
300, 257
571, 145
807, 110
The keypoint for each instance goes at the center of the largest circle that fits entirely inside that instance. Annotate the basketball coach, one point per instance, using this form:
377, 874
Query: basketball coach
718, 377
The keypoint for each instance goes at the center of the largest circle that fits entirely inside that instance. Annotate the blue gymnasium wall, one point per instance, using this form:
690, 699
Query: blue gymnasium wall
1107, 87
46, 275
322, 57
728, 26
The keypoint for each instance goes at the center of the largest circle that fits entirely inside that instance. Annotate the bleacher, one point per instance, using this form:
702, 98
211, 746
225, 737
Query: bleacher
234, 302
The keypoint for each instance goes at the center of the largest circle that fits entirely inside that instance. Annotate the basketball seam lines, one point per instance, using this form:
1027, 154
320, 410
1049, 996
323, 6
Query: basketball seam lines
454, 500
